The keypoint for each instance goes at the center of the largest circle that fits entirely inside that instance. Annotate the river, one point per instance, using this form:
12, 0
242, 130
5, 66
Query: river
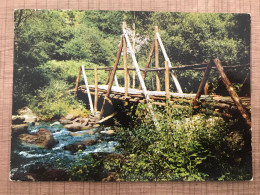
25, 157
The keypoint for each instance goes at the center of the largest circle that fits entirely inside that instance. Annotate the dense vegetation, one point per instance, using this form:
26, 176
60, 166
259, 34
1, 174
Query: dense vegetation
50, 46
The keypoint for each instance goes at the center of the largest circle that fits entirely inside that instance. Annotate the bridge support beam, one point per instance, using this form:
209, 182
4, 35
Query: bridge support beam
140, 78
96, 88
228, 86
148, 62
176, 82
113, 73
202, 84
87, 87
232, 92
77, 82
158, 84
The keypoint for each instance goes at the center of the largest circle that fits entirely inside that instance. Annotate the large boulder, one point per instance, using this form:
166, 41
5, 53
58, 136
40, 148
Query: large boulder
43, 138
19, 129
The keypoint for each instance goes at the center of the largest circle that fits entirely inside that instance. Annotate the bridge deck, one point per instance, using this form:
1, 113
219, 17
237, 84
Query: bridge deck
158, 97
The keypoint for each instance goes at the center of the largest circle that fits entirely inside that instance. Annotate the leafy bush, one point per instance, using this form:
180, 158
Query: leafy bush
55, 101
186, 147
68, 72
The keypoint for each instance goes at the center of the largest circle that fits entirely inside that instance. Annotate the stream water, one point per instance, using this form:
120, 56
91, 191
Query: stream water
27, 156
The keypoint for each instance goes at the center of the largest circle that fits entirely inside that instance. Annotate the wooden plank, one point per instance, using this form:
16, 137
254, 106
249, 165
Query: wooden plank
112, 76
96, 88
158, 85
205, 78
87, 87
77, 82
232, 92
148, 61
176, 82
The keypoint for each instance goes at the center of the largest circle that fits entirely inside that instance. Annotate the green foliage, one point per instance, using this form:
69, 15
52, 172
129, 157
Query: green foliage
194, 38
68, 71
55, 101
186, 147
86, 169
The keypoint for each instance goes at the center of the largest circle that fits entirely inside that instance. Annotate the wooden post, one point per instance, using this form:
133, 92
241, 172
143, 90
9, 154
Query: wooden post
243, 84
133, 51
112, 77
205, 78
116, 81
167, 91
125, 50
158, 85
176, 82
141, 81
87, 87
108, 77
148, 62
77, 82
167, 84
232, 92
206, 88
96, 88
125, 66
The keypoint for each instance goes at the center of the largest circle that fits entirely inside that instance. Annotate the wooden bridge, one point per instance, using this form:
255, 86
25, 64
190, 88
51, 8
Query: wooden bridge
158, 97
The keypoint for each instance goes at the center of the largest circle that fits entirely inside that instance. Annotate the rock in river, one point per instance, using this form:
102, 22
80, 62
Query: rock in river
75, 147
108, 132
28, 114
17, 119
74, 127
65, 121
80, 146
19, 129
43, 138
89, 142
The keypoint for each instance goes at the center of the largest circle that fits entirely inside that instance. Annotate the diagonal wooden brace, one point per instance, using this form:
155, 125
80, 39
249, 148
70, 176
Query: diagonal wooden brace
232, 92
202, 84
113, 73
